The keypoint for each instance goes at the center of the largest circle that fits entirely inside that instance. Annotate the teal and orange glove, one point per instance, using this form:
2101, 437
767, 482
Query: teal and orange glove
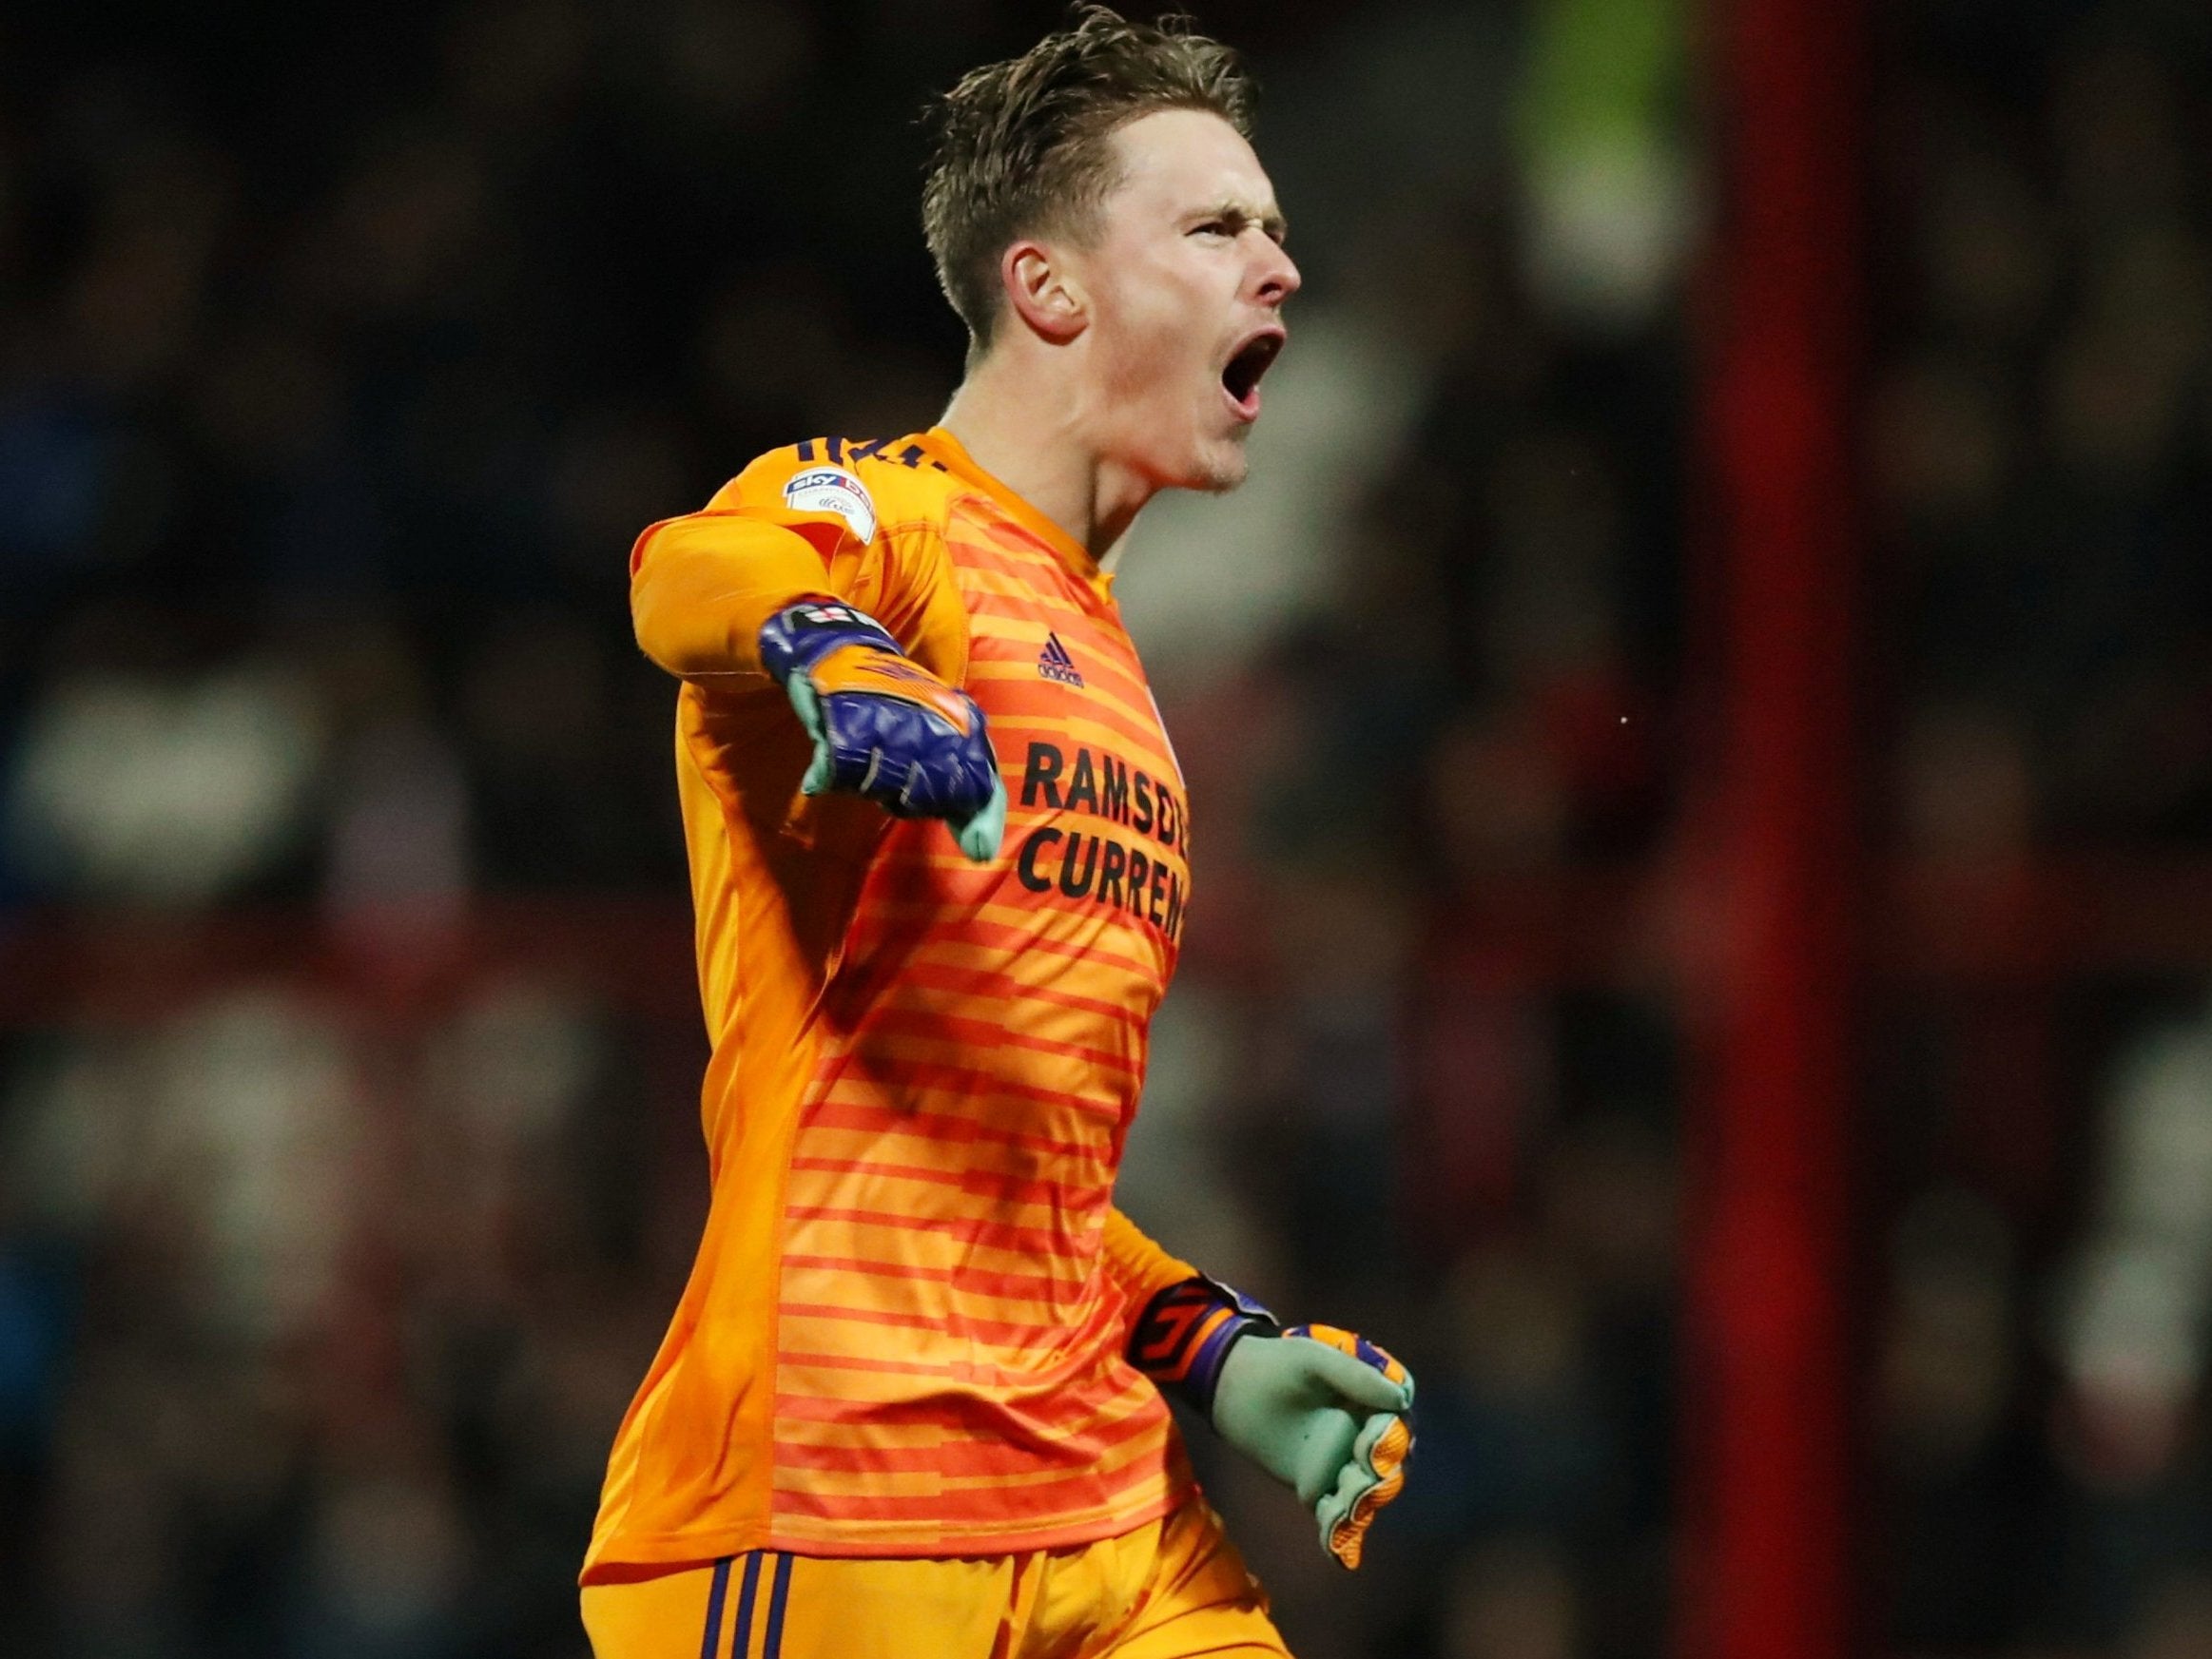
1325, 1411
1375, 1472
883, 726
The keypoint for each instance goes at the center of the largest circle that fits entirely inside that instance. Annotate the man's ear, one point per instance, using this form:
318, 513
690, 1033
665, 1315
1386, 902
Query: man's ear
1044, 293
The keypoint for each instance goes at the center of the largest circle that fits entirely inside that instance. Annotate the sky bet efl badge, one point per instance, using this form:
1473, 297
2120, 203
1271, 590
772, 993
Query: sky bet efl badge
833, 489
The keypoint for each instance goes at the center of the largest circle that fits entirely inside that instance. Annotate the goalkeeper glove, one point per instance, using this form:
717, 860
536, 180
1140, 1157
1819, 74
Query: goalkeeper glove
1323, 1411
883, 726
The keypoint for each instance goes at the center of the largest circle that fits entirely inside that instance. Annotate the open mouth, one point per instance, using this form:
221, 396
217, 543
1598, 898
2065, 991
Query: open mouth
1241, 379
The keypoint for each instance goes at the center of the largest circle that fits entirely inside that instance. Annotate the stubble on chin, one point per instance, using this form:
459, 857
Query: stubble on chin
1224, 470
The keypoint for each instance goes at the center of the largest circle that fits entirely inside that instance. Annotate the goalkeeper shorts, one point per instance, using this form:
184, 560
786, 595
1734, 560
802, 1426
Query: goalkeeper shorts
1172, 1589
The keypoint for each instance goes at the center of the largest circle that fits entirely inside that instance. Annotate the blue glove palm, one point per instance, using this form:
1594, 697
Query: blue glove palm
883, 726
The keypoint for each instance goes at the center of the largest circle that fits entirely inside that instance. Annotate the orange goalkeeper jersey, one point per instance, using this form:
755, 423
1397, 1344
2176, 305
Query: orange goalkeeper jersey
903, 1332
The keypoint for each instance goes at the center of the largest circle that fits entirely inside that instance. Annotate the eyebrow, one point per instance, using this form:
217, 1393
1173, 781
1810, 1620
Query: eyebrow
1271, 220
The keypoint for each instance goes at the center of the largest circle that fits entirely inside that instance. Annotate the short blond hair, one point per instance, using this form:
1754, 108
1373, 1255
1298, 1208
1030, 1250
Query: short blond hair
1021, 146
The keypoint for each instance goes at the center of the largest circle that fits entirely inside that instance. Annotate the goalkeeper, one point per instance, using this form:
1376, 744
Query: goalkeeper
912, 1400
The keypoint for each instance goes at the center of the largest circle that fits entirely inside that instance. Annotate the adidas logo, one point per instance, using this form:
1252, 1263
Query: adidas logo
1055, 664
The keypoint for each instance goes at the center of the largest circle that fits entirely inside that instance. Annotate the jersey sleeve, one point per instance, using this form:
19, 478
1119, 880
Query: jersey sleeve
1139, 1268
702, 585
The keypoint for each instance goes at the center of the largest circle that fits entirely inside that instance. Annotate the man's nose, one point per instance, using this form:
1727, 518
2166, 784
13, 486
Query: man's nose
1278, 275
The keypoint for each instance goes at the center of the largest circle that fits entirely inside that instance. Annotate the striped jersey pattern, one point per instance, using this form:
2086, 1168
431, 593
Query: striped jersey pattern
904, 1336
955, 1157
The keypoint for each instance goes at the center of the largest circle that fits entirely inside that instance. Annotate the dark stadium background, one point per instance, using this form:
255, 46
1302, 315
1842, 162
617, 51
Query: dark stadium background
1699, 736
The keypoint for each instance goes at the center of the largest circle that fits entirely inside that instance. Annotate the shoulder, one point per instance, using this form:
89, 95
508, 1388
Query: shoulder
873, 484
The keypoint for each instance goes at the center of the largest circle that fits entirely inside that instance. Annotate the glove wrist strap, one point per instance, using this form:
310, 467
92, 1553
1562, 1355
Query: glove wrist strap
810, 627
1185, 1333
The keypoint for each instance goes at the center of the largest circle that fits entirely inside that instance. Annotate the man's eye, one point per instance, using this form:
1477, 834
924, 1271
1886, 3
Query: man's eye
1214, 228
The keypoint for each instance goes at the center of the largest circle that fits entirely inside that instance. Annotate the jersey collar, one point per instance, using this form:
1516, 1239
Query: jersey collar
948, 448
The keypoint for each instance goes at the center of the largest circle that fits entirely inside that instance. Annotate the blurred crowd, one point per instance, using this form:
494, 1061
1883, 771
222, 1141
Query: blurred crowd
348, 1149
2040, 489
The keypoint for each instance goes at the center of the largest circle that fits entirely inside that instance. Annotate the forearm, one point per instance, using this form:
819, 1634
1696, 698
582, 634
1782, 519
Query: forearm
701, 587
1139, 1268
1180, 1324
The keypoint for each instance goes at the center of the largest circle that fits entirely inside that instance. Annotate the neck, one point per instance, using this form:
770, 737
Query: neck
1027, 429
